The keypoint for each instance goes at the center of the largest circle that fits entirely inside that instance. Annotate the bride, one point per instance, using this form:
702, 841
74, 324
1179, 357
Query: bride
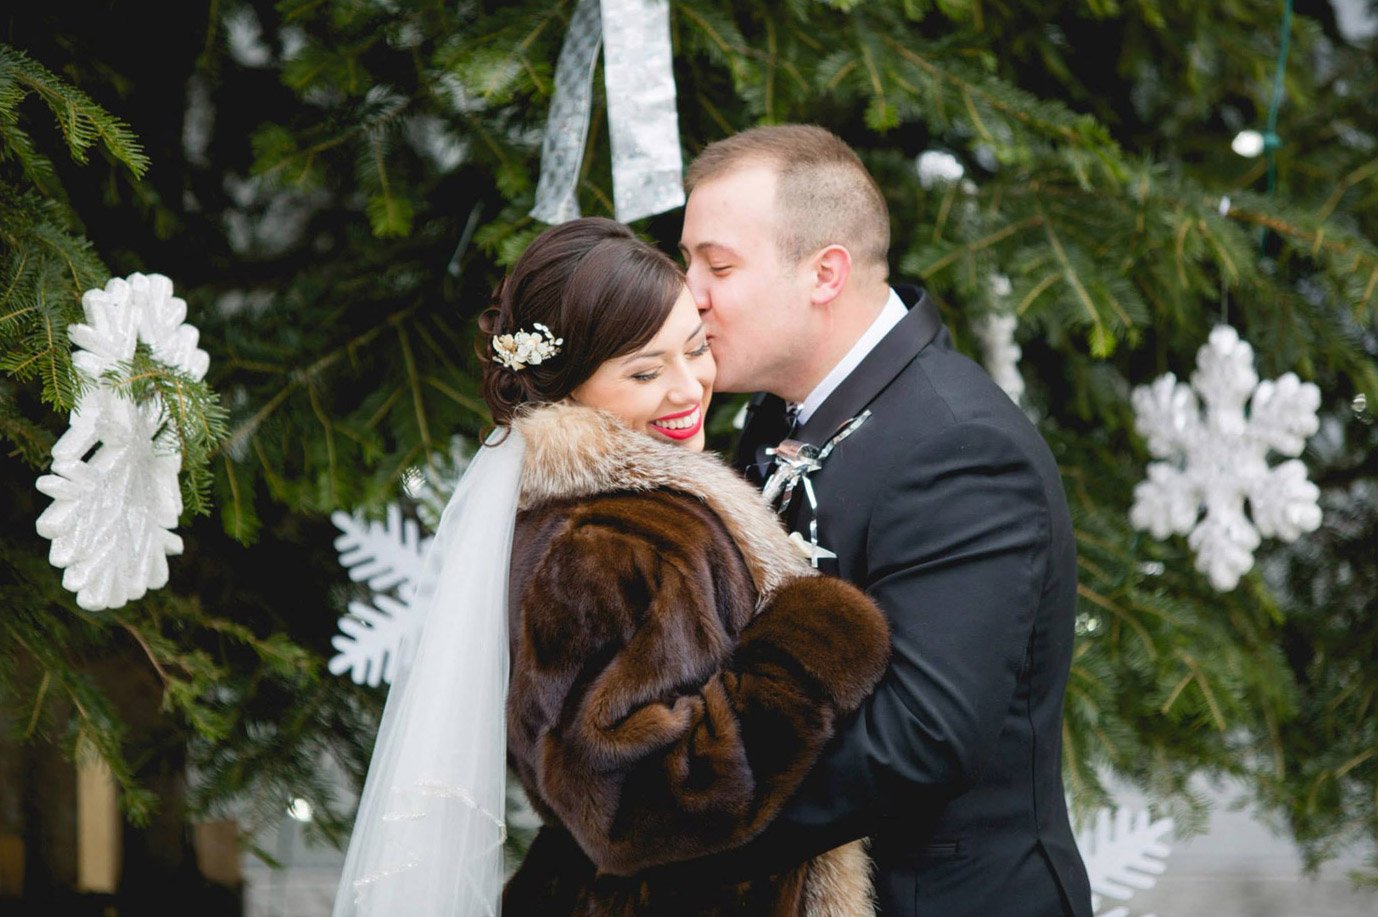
675, 668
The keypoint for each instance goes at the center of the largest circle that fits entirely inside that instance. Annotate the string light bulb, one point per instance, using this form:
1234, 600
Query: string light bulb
1248, 143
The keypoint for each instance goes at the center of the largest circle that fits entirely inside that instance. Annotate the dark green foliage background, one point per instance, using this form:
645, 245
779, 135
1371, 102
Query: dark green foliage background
337, 209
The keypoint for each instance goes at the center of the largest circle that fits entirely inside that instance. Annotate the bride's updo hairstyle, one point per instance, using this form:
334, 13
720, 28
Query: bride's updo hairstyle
592, 283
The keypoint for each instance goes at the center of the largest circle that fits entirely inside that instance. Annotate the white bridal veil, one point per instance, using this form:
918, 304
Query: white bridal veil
428, 838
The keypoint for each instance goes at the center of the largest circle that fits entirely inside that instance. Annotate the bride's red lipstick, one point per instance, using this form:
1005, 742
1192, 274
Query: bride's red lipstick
687, 432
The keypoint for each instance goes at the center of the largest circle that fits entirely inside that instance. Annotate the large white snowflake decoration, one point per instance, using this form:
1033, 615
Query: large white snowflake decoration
1124, 852
114, 475
1219, 460
387, 556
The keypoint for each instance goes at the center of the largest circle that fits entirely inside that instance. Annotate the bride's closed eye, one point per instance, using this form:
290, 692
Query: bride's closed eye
653, 374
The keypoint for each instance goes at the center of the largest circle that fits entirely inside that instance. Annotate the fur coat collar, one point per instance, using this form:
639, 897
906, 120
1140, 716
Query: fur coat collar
574, 451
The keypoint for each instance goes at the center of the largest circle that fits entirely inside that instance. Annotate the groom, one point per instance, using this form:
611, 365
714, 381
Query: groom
943, 503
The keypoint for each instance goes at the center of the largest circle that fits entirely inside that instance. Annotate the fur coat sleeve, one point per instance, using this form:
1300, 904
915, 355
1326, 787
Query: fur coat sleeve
653, 710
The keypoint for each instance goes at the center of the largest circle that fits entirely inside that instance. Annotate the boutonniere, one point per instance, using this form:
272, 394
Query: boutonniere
794, 462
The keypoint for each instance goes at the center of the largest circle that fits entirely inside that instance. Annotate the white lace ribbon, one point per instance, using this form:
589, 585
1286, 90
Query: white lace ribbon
643, 121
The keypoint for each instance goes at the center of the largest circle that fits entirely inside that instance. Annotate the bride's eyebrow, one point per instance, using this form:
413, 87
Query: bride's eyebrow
658, 353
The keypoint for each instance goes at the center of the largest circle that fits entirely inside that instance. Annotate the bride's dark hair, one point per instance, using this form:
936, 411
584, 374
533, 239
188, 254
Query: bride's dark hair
591, 282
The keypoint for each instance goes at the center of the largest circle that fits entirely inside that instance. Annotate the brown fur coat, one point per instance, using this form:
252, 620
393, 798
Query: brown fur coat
675, 673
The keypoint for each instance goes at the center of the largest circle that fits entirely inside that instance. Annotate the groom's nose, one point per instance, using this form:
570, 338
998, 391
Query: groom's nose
697, 289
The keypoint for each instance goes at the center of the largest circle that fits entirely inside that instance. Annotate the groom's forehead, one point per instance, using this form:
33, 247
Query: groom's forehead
727, 223
744, 192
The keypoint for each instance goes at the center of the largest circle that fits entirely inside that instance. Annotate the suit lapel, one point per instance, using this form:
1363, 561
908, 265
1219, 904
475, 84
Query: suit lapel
765, 426
894, 352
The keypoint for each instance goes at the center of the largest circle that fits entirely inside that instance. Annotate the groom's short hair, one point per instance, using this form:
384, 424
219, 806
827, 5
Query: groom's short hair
824, 197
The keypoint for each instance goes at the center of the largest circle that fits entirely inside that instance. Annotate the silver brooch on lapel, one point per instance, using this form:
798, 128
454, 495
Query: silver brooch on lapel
794, 462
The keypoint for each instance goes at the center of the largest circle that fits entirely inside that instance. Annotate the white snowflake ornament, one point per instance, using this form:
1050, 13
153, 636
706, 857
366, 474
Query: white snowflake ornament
388, 557
162, 325
1000, 352
1124, 852
114, 508
996, 333
111, 517
1217, 460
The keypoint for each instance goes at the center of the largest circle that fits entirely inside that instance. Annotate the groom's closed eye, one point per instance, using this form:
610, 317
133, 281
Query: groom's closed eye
720, 257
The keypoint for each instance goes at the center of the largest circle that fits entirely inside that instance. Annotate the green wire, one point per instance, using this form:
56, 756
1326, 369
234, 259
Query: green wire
1271, 140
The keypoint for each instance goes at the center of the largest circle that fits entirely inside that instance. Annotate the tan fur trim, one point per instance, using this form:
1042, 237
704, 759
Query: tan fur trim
575, 451
839, 883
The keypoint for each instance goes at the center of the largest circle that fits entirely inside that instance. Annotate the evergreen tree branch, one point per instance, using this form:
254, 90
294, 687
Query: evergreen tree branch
244, 431
413, 380
83, 122
333, 470
1361, 174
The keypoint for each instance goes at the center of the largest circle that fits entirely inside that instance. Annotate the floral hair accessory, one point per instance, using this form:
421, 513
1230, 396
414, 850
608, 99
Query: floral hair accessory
525, 348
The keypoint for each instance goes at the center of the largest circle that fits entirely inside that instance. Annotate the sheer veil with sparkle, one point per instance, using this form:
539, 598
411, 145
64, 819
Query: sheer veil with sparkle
428, 837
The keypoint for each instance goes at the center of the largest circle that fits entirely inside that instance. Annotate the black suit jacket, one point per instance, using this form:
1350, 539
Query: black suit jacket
946, 506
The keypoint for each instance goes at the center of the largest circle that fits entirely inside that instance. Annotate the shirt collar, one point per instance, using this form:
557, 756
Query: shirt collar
889, 316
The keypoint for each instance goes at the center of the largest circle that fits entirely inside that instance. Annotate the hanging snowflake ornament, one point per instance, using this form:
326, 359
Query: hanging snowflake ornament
387, 556
1217, 460
995, 331
114, 483
1124, 852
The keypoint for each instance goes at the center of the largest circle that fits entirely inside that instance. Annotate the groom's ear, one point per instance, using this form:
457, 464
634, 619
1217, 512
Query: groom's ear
831, 267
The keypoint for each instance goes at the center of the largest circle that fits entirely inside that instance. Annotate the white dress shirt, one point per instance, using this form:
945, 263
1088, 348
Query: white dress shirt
889, 316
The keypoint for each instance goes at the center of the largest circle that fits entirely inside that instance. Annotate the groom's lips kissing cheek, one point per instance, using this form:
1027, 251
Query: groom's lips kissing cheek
684, 425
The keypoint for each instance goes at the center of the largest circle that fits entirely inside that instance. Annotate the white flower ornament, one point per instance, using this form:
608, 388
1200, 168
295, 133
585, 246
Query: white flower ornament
112, 513
526, 348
